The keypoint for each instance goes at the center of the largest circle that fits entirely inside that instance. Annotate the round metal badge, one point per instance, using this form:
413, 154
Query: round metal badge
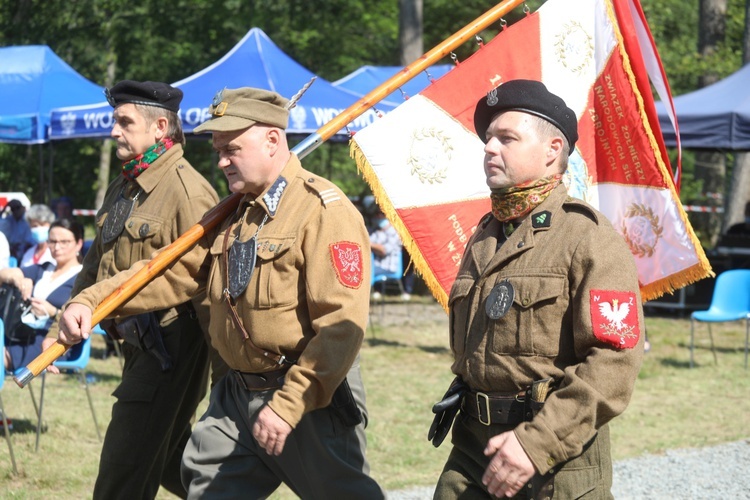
500, 299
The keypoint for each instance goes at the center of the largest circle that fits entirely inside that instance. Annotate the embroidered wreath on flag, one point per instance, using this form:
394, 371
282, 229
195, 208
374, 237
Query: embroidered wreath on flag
642, 233
574, 47
429, 155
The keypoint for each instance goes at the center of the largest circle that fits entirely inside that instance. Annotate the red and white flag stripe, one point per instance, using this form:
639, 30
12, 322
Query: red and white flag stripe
424, 160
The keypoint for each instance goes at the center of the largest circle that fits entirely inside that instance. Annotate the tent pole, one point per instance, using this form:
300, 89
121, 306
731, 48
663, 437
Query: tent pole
40, 192
51, 173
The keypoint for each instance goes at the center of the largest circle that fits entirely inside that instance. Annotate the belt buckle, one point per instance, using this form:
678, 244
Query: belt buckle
486, 398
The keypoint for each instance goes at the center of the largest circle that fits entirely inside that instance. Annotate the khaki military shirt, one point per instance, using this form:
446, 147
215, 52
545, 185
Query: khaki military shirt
566, 266
308, 296
171, 197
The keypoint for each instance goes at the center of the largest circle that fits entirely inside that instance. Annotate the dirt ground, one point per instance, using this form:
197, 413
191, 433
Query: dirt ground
421, 309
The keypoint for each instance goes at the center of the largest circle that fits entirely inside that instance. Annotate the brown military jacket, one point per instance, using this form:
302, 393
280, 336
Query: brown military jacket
173, 197
563, 262
308, 296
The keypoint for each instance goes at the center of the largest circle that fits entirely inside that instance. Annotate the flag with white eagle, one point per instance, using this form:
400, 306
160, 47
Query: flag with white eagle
424, 160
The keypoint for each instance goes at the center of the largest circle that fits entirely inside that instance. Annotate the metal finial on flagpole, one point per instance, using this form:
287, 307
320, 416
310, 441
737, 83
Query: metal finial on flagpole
296, 97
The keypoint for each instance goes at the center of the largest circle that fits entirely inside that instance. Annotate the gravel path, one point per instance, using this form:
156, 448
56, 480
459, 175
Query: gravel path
716, 472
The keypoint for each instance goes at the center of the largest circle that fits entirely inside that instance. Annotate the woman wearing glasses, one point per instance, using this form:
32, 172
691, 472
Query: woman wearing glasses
47, 288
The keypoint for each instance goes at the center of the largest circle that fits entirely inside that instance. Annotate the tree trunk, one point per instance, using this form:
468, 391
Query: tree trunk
739, 191
710, 167
410, 30
105, 152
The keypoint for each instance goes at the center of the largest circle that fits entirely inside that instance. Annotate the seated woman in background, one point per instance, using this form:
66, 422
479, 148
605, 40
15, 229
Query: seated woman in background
47, 286
39, 218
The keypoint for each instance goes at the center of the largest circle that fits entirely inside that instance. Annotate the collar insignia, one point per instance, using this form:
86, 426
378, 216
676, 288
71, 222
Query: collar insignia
273, 196
542, 219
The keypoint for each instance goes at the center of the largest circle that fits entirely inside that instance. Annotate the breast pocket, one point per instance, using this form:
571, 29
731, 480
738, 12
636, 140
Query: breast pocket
140, 238
216, 276
533, 324
459, 306
277, 275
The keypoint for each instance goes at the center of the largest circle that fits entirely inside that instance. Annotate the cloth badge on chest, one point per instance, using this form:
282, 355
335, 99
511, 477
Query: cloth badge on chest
272, 197
347, 262
614, 318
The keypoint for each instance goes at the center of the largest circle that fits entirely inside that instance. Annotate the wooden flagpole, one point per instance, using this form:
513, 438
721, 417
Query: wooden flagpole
182, 244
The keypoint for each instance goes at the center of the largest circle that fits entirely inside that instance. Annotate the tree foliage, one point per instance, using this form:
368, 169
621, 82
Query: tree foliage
167, 41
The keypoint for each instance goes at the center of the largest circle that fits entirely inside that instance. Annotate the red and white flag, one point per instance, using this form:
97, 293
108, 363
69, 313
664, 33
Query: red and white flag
424, 161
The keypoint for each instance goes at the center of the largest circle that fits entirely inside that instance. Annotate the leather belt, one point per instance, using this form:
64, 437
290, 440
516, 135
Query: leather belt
180, 310
495, 409
262, 381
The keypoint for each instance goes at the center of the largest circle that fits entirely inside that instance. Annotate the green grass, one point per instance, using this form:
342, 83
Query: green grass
405, 363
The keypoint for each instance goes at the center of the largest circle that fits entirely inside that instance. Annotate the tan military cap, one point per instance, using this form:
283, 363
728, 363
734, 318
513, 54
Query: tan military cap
237, 109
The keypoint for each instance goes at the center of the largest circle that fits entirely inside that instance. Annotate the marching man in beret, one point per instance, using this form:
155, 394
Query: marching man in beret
545, 319
288, 280
156, 198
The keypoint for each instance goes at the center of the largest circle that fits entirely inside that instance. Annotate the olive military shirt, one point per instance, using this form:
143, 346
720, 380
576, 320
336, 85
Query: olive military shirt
562, 262
308, 296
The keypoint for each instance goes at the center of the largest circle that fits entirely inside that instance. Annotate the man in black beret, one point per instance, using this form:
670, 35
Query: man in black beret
157, 197
546, 318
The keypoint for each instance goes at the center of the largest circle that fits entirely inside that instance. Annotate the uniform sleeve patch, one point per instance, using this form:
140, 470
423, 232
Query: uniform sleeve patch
347, 261
614, 318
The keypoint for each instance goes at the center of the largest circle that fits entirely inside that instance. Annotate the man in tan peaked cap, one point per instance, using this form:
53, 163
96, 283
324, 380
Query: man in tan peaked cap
288, 281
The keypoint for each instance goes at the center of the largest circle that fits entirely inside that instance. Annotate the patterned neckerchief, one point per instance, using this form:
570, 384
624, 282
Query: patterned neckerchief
135, 167
515, 202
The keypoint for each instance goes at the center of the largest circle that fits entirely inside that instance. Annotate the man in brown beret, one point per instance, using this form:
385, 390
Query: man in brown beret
156, 198
288, 281
545, 319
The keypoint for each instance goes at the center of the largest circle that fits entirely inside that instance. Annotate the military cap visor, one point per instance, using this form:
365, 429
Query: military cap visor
238, 109
527, 96
158, 94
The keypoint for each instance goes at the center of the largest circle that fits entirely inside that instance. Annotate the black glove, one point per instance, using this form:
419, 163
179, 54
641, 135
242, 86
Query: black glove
445, 412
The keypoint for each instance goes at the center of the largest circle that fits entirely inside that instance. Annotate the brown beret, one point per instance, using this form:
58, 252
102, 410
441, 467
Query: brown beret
238, 109
528, 96
161, 95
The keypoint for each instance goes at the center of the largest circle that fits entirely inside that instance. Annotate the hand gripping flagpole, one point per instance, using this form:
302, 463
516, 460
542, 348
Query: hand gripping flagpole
177, 248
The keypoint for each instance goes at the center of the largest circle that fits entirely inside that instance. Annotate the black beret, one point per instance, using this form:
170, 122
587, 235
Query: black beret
161, 95
528, 96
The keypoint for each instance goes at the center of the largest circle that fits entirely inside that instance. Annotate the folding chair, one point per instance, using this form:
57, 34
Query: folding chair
730, 302
2, 406
76, 365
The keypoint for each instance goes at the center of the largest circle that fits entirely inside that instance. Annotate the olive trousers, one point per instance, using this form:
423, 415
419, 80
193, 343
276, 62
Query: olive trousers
587, 476
322, 458
151, 419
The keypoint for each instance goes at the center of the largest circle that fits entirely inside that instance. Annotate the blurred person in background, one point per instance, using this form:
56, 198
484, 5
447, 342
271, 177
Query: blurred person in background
4, 251
16, 229
39, 218
63, 207
386, 251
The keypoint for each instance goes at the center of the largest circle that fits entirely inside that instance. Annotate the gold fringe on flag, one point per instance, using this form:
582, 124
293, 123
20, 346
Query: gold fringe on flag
384, 202
702, 269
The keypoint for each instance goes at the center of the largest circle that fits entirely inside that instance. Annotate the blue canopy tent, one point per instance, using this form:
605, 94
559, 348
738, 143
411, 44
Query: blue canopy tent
368, 78
714, 117
254, 62
33, 80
